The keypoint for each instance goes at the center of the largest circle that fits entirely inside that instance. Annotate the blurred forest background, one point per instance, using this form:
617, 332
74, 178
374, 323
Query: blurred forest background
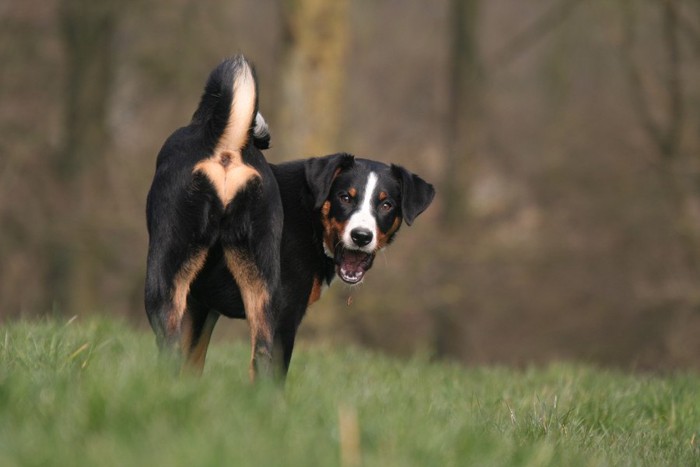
563, 137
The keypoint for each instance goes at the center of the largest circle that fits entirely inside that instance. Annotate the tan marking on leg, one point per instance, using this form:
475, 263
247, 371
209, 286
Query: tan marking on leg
185, 332
181, 288
185, 343
227, 173
255, 299
197, 354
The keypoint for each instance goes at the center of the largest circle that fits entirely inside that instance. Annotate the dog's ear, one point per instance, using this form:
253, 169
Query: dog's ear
321, 171
416, 193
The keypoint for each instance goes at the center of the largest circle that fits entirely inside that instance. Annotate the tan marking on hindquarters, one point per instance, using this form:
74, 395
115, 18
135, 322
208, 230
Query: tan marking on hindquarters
196, 355
225, 168
227, 173
181, 288
255, 299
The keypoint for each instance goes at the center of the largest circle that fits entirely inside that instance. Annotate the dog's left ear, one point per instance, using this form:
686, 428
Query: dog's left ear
321, 171
416, 193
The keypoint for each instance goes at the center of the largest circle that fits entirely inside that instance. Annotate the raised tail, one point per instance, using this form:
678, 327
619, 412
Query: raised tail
228, 108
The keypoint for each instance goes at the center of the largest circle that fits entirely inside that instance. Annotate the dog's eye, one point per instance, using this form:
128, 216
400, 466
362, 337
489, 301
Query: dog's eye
345, 198
386, 206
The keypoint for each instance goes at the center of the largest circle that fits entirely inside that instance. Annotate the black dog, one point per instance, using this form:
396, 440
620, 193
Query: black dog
230, 234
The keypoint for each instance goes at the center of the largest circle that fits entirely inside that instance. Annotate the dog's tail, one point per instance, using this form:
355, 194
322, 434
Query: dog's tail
228, 110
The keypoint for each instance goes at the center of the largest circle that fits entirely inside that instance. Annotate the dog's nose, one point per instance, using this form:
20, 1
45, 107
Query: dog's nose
361, 236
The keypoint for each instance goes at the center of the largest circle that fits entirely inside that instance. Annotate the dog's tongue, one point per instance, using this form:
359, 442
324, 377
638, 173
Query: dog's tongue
352, 265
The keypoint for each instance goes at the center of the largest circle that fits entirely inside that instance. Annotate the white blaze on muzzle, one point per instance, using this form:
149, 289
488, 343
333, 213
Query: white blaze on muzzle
363, 218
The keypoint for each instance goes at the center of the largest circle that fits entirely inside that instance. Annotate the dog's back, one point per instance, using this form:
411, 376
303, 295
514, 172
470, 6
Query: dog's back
213, 195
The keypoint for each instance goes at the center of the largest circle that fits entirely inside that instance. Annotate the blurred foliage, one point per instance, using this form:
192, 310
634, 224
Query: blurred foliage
567, 222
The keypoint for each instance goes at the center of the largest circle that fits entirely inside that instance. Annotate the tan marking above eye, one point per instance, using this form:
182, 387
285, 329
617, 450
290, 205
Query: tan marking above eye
383, 195
227, 172
352, 192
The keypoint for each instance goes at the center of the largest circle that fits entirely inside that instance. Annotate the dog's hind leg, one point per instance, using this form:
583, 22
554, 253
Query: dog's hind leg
177, 251
167, 287
257, 293
197, 326
251, 234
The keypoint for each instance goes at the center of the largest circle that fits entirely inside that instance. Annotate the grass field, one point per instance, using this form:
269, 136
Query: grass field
92, 393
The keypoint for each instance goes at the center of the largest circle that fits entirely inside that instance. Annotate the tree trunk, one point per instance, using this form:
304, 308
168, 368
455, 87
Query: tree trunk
665, 133
87, 30
464, 77
316, 37
462, 101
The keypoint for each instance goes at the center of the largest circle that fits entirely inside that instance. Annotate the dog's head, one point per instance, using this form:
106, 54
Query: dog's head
362, 204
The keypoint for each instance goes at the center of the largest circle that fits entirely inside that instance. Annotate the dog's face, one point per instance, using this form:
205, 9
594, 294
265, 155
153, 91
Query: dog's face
362, 205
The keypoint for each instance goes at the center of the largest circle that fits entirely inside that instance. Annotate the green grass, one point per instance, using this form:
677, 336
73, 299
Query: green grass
93, 393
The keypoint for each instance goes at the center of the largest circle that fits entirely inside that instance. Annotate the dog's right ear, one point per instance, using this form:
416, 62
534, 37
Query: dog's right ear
321, 171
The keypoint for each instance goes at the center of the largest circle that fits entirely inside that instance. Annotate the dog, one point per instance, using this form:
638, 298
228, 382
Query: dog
230, 234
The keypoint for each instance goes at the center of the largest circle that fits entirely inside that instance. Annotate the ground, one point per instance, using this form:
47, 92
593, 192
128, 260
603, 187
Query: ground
92, 392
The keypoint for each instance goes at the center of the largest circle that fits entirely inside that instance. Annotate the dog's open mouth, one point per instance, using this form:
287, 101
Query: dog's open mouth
351, 265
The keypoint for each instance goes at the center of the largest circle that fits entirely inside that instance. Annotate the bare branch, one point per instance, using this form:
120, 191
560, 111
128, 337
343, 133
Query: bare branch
674, 85
665, 136
525, 40
634, 76
689, 28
